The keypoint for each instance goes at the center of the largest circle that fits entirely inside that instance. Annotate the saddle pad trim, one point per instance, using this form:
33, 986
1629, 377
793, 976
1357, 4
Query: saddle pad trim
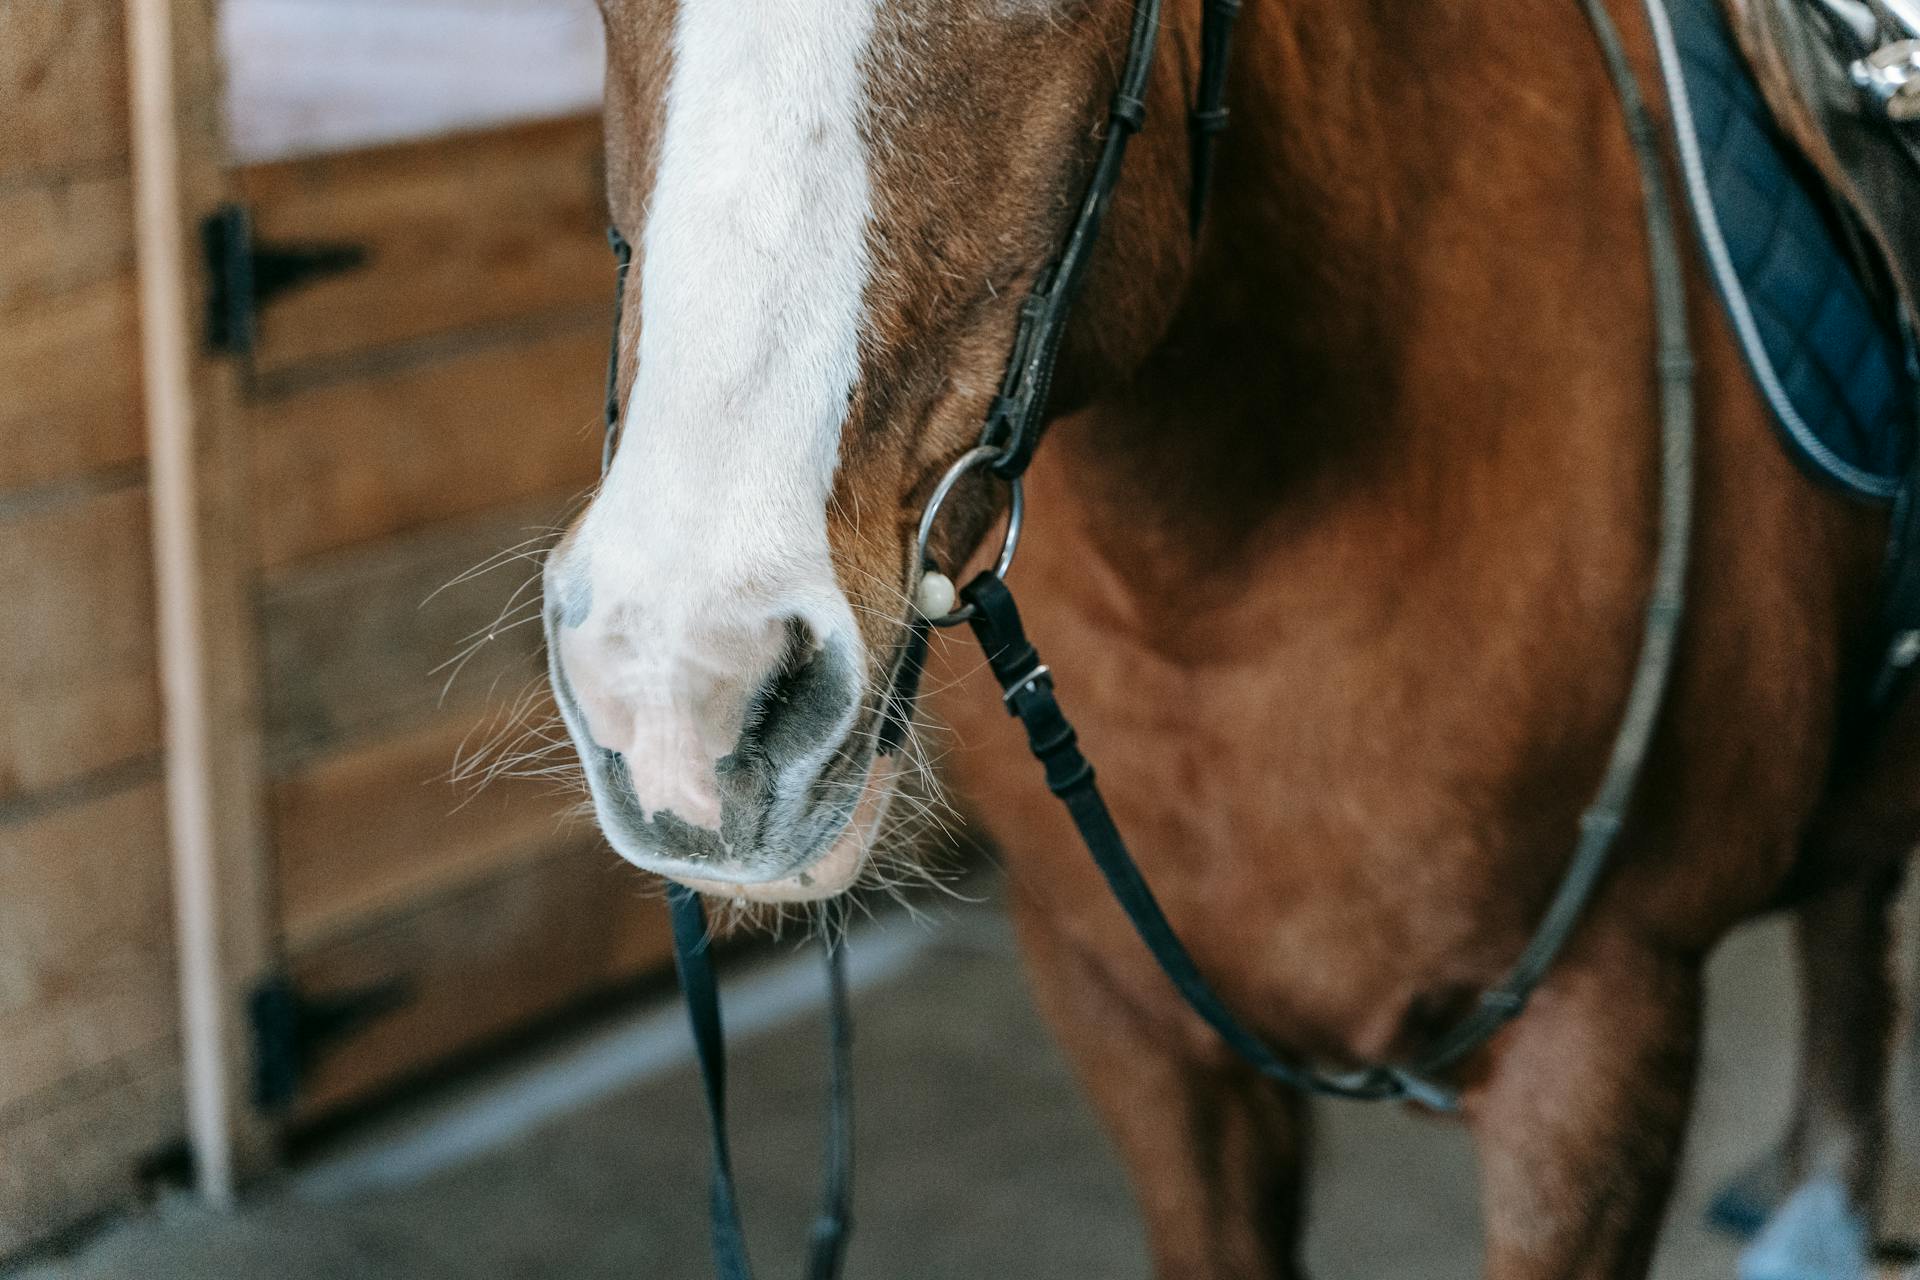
1699, 195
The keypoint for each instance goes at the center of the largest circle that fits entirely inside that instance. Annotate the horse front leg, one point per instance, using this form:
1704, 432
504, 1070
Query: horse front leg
1813, 1198
1815, 1195
1216, 1155
1579, 1114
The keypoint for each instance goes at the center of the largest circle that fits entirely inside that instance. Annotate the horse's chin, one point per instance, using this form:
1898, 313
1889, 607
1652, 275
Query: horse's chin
834, 871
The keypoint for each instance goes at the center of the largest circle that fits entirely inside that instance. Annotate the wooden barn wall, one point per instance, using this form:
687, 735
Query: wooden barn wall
396, 427
419, 429
89, 1059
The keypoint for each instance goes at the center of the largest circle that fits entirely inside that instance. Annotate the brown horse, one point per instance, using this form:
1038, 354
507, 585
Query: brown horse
1338, 543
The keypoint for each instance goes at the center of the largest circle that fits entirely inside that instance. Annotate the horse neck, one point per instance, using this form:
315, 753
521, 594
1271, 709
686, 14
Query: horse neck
1279, 390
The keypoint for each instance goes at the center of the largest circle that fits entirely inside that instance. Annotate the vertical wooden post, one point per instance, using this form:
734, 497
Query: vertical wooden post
211, 736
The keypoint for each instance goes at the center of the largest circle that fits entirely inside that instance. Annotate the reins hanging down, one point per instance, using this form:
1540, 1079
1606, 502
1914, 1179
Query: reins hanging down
693, 961
1027, 684
1006, 446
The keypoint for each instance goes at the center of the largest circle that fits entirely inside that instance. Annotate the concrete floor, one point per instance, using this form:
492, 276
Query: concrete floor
977, 1157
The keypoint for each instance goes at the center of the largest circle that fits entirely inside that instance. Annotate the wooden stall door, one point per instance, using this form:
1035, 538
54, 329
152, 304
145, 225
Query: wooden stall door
424, 365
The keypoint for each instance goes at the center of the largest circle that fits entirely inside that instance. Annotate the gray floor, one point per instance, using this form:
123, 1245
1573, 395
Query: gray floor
977, 1158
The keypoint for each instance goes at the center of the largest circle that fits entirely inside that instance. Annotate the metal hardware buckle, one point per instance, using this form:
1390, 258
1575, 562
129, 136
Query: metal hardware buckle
1889, 77
1017, 687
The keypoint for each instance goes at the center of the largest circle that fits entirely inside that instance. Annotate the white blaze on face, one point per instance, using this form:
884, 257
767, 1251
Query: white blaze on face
753, 264
710, 530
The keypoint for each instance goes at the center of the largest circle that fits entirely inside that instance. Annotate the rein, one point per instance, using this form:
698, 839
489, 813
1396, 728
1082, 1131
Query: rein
1028, 688
1011, 433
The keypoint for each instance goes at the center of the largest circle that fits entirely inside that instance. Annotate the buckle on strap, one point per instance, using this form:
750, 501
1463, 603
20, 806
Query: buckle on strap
1430, 1094
1025, 684
1208, 119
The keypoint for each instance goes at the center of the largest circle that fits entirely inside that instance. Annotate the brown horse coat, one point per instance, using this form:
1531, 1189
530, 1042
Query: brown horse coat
1339, 549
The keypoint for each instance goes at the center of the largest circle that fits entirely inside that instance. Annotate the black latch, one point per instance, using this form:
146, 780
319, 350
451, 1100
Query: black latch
293, 1030
246, 275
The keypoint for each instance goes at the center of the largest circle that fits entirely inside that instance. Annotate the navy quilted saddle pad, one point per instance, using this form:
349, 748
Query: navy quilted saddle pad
1834, 370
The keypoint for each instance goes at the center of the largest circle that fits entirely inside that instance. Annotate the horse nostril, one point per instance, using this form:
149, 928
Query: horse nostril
800, 702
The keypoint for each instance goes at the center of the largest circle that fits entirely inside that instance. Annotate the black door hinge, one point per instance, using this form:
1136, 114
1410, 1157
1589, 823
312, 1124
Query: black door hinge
293, 1030
245, 274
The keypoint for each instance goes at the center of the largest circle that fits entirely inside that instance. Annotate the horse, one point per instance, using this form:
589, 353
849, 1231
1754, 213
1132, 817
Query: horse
1338, 542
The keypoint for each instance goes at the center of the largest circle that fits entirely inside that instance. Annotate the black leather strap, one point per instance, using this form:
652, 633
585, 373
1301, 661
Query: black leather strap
1208, 119
1028, 687
693, 957
623, 259
702, 992
1015, 418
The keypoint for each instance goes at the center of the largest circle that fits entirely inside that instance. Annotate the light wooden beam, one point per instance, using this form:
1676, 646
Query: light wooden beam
209, 737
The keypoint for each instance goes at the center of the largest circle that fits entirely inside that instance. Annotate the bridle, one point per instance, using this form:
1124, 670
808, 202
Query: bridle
1005, 448
1015, 418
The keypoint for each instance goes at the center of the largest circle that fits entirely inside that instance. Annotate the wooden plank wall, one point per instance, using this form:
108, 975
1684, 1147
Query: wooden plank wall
434, 411
397, 428
89, 1070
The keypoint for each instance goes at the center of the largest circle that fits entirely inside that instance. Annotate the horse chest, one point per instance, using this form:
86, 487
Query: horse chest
1318, 877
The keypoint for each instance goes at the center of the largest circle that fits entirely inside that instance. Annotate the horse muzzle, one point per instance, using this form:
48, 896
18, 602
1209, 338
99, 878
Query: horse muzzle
729, 760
